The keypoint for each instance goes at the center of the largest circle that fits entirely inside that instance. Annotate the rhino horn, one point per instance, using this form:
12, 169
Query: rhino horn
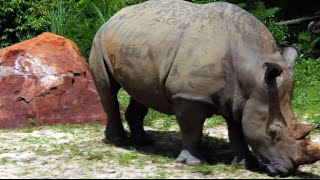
300, 131
310, 152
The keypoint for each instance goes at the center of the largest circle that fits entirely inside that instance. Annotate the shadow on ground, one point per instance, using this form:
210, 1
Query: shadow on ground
215, 150
306, 175
168, 144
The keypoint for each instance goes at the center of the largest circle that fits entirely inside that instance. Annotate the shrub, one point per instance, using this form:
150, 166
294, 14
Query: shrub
59, 16
308, 45
21, 19
80, 20
268, 17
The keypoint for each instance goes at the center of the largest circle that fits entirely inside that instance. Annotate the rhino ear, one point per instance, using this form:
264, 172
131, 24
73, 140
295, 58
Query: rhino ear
290, 55
272, 72
300, 131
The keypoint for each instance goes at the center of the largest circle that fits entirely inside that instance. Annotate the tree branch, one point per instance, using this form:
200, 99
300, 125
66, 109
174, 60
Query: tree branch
299, 21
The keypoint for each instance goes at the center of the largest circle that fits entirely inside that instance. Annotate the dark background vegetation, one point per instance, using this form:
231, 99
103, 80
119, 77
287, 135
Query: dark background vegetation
79, 20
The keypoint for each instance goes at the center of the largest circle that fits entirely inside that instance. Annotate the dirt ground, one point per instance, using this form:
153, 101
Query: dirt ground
79, 152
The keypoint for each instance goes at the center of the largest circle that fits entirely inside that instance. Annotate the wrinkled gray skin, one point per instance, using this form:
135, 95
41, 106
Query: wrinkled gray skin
194, 61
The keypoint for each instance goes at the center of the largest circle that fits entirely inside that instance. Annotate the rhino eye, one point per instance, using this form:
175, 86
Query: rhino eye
273, 74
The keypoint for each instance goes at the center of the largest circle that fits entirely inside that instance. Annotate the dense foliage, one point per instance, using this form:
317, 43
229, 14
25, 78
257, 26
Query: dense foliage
22, 19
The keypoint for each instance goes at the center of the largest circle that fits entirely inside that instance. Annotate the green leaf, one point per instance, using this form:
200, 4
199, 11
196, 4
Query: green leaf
305, 36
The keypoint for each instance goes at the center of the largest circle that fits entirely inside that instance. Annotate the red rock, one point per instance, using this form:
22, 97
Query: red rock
46, 81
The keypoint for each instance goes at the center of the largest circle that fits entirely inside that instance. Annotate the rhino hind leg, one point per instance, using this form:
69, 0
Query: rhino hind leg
191, 117
115, 132
240, 148
107, 89
135, 114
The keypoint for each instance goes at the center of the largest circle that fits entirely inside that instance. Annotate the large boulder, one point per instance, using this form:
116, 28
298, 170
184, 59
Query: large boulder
45, 81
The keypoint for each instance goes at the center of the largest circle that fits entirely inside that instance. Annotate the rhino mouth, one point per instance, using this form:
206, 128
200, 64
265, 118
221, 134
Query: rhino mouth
281, 168
276, 166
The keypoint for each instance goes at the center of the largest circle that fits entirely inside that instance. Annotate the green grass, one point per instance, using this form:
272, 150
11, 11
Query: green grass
95, 155
205, 169
161, 174
5, 160
306, 97
127, 158
59, 17
91, 150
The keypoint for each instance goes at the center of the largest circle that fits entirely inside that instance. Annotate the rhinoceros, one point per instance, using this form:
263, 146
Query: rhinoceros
194, 61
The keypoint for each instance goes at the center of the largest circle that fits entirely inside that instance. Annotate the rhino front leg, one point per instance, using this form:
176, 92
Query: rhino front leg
135, 114
190, 116
240, 148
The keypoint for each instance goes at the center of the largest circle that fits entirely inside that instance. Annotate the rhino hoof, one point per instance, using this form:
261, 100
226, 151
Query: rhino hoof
117, 140
186, 157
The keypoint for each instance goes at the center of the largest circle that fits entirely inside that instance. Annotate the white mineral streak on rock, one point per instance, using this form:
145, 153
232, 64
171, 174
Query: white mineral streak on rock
33, 66
4, 71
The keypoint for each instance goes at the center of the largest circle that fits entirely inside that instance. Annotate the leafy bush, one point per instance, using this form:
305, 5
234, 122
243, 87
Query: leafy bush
308, 45
80, 20
90, 15
21, 19
268, 17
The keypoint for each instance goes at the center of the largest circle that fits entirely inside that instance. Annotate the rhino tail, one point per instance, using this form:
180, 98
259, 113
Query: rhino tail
99, 70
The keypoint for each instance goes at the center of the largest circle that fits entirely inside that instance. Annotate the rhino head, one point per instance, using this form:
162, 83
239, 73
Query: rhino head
271, 130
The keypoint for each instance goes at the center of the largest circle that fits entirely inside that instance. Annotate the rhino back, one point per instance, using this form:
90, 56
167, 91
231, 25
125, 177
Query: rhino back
162, 48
